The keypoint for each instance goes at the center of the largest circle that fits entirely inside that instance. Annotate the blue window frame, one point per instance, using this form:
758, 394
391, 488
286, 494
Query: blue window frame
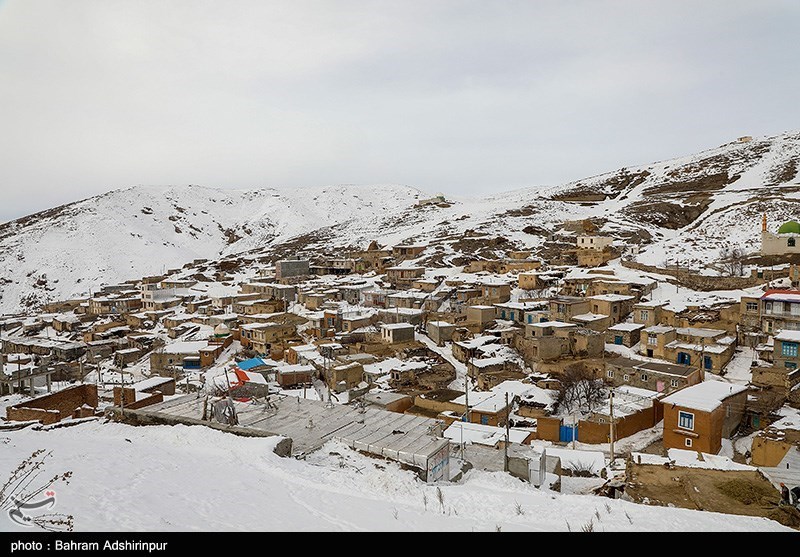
788, 348
485, 419
530, 319
685, 420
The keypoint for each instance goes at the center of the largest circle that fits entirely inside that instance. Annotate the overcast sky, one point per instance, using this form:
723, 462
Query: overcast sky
463, 97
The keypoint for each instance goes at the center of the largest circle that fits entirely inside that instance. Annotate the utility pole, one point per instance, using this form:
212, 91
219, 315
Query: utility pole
466, 386
611, 425
505, 456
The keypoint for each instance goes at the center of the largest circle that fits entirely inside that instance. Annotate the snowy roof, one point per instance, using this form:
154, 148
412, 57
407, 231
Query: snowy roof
788, 296
477, 341
151, 383
701, 332
589, 317
403, 311
651, 304
708, 348
626, 327
525, 306
483, 434
185, 347
481, 307
785, 334
706, 396
395, 326
658, 329
441, 324
691, 459
552, 324
486, 362
611, 297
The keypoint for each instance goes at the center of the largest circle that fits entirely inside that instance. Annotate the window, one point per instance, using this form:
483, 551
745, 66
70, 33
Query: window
610, 373
626, 377
652, 339
795, 309
685, 420
614, 309
644, 315
674, 383
790, 242
728, 411
561, 308
751, 306
512, 316
485, 419
790, 365
767, 307
788, 348
688, 442
644, 377
530, 318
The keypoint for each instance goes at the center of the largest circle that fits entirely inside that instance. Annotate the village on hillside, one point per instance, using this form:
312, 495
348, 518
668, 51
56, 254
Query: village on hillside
661, 385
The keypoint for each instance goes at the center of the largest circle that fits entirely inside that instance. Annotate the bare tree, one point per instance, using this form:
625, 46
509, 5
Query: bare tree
580, 390
731, 260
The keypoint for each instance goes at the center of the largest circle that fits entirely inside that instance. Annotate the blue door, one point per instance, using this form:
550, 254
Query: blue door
617, 339
502, 314
567, 433
684, 358
707, 363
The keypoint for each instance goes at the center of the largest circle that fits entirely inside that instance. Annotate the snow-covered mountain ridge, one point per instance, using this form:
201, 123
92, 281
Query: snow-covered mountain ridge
681, 209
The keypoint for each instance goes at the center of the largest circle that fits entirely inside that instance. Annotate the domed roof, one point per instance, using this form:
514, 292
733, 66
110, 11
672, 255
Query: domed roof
221, 330
791, 227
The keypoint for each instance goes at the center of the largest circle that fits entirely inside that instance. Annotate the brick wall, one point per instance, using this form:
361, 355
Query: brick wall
54, 407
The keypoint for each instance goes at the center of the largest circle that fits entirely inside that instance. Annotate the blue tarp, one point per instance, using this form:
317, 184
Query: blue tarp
250, 364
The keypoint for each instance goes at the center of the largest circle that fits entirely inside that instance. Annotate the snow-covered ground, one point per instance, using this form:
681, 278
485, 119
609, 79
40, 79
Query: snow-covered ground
191, 478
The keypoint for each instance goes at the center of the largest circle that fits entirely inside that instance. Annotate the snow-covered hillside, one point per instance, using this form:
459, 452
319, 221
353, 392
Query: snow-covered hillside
142, 230
681, 210
192, 478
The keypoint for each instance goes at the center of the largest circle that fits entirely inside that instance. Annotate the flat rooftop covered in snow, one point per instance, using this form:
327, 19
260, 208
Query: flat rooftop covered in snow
706, 396
310, 423
626, 327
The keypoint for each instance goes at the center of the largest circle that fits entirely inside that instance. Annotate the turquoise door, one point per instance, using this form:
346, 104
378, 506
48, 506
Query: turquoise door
617, 339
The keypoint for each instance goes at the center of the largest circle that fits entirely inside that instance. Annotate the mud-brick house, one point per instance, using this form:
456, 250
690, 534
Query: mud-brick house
394, 333
463, 350
440, 331
710, 349
178, 356
654, 376
700, 416
495, 291
780, 439
593, 321
784, 373
401, 252
563, 308
624, 334
261, 336
516, 311
252, 307
344, 376
403, 277
480, 315
617, 306
552, 340
649, 313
